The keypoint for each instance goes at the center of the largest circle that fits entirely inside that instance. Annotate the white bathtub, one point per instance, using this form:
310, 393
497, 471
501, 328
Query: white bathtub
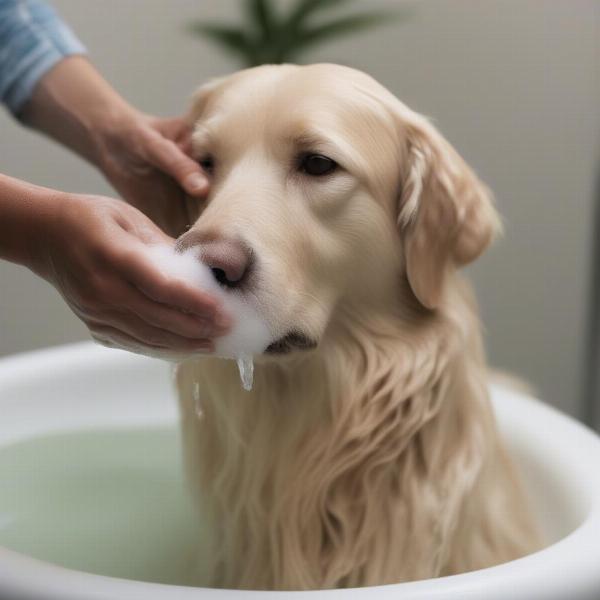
114, 397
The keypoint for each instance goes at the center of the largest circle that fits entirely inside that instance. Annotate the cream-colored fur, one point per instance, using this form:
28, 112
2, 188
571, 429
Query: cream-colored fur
372, 458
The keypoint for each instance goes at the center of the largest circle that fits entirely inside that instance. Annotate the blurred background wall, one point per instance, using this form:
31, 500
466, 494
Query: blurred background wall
514, 85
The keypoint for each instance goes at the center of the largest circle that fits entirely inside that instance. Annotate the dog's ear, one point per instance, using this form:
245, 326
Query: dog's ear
446, 214
200, 99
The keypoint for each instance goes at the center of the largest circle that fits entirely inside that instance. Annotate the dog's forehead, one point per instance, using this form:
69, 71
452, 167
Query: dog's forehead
288, 98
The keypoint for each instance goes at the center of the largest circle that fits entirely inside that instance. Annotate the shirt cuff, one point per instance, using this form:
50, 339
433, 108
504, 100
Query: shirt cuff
47, 41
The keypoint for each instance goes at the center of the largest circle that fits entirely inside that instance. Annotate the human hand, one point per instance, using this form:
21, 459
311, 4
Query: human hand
92, 249
146, 160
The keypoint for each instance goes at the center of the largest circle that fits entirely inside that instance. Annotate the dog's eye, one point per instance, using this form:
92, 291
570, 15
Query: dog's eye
317, 165
207, 163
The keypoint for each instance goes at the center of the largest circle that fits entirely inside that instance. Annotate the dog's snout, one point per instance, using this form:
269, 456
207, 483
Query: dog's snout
228, 258
229, 261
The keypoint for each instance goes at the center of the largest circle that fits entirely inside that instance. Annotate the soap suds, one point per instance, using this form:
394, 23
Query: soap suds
249, 333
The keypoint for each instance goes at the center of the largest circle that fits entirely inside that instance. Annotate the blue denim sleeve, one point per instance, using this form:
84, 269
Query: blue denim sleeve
33, 39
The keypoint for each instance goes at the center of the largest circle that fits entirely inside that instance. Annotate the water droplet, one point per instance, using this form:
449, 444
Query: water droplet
196, 397
246, 367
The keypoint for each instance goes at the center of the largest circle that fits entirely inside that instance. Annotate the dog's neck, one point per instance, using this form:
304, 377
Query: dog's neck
301, 468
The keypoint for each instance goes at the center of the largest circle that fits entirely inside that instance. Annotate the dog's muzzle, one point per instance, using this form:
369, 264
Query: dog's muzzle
292, 341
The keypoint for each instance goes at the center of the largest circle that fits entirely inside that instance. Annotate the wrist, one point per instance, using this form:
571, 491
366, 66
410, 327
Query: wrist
25, 212
111, 131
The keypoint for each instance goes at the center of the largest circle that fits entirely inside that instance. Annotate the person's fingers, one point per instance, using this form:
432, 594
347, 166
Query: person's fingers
113, 338
167, 156
173, 128
170, 319
141, 272
183, 138
185, 143
134, 328
163, 201
134, 222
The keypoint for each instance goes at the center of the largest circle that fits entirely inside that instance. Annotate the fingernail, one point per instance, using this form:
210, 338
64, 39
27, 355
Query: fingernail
195, 183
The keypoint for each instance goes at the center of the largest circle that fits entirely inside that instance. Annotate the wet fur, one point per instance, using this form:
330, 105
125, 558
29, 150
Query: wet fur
373, 458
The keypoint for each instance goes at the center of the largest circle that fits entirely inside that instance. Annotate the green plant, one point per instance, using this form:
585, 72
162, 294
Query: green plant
269, 37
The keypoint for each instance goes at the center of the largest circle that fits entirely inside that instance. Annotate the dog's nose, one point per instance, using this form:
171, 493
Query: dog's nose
228, 260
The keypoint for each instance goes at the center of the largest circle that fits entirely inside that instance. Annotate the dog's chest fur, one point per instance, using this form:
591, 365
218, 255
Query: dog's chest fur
352, 466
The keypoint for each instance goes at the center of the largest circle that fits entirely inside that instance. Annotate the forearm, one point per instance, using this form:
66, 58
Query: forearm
23, 207
76, 106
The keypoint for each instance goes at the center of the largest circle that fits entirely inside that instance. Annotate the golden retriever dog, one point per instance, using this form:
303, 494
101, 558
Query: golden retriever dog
367, 452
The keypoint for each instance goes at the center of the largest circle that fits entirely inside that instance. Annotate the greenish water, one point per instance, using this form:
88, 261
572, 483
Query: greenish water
108, 502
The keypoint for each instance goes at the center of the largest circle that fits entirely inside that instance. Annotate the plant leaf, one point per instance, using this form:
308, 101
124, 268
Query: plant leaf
266, 30
343, 26
306, 8
232, 39
262, 15
267, 38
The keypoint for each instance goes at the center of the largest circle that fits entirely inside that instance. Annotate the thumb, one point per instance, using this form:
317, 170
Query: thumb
143, 228
167, 156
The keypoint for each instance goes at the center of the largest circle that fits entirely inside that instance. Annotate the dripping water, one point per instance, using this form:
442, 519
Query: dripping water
196, 396
246, 367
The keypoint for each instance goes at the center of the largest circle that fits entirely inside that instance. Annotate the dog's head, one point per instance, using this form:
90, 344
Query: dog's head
328, 193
